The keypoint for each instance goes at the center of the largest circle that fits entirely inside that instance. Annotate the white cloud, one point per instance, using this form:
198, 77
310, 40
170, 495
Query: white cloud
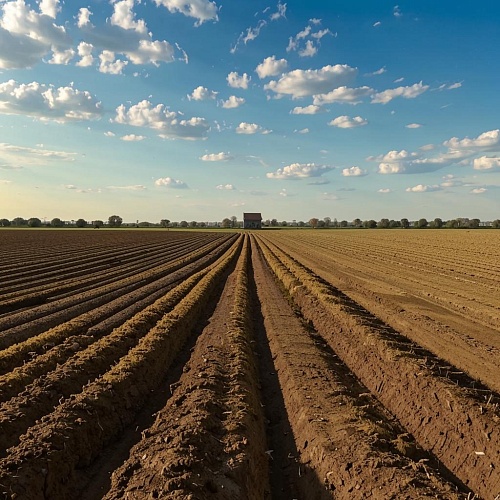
413, 125
378, 23
50, 7
83, 18
85, 53
397, 11
233, 102
202, 10
236, 81
135, 187
306, 42
485, 141
271, 66
132, 138
251, 128
299, 171
347, 122
281, 12
486, 163
409, 92
423, 188
379, 71
301, 83
302, 131
343, 95
309, 50
225, 187
307, 110
37, 100
454, 86
15, 157
5, 181
391, 168
384, 190
168, 123
354, 172
125, 18
61, 57
168, 182
478, 190
109, 64
216, 157
202, 94
109, 134
151, 52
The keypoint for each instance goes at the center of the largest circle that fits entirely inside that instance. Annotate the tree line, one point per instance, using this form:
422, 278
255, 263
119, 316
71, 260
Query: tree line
232, 222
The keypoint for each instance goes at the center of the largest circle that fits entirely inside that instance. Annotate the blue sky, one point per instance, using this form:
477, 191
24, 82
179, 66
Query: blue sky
200, 110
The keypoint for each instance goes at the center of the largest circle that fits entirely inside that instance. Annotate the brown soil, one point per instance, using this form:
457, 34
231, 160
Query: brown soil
242, 367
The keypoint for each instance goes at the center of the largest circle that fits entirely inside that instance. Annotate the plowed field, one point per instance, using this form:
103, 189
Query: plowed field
305, 364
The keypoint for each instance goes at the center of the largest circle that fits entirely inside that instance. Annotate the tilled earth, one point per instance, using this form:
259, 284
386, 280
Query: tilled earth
221, 365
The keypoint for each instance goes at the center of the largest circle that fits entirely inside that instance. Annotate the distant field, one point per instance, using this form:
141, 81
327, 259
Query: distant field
340, 364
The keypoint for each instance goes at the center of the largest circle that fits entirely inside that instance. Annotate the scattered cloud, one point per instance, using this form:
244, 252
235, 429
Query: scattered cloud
487, 163
236, 81
409, 92
306, 42
225, 187
354, 172
299, 171
45, 102
251, 128
302, 83
413, 125
384, 190
347, 122
380, 71
485, 141
216, 157
168, 182
423, 188
201, 93
397, 11
271, 66
480, 190
377, 24
14, 157
233, 102
307, 110
136, 187
167, 123
343, 95
302, 131
132, 138
201, 10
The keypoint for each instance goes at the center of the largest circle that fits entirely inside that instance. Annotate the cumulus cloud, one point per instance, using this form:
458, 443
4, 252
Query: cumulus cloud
216, 157
62, 104
110, 64
409, 92
423, 188
132, 138
85, 52
251, 128
225, 187
486, 163
271, 66
354, 172
202, 94
167, 123
201, 10
233, 102
343, 94
347, 122
168, 182
307, 110
302, 83
236, 81
299, 171
485, 141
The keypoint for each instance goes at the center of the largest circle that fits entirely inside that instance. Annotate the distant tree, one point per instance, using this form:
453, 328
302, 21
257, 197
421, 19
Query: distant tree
4, 222
202, 224
437, 223
383, 224
34, 222
115, 221
343, 223
405, 223
234, 220
193, 223
321, 223
164, 223
452, 224
56, 222
226, 223
175, 224
394, 223
336, 223
313, 222
97, 224
474, 223
274, 222
496, 224
327, 221
183, 223
81, 223
301, 223
284, 223
144, 224
357, 223
422, 223
369, 224
19, 221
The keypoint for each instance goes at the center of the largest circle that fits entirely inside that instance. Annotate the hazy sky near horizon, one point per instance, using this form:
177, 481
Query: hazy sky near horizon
200, 110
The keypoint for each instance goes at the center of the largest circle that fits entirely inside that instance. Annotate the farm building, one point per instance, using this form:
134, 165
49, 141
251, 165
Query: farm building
252, 221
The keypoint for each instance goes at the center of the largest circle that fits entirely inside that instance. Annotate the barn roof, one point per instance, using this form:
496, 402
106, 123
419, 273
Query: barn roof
252, 216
